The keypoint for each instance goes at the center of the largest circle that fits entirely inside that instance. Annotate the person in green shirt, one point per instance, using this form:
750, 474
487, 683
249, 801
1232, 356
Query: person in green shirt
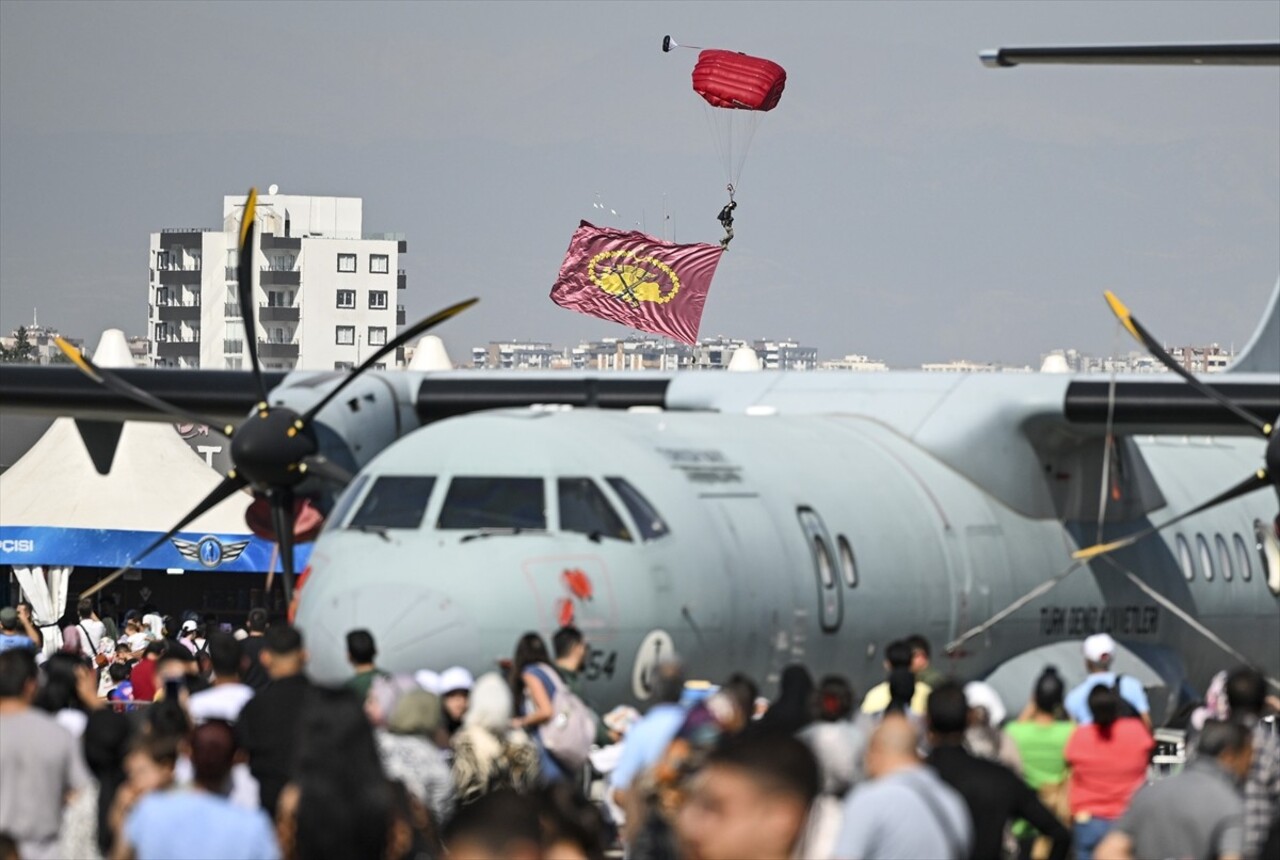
925, 673
361, 652
1041, 733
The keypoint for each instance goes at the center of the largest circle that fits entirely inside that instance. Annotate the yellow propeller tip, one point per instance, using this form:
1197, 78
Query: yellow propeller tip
1096, 550
291, 432
1268, 429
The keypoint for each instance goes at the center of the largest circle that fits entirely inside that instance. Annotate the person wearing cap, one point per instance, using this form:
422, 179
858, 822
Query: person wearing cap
9, 635
1099, 653
409, 728
455, 695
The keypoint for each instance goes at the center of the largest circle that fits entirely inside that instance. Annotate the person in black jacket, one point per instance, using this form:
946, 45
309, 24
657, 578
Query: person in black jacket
268, 724
996, 796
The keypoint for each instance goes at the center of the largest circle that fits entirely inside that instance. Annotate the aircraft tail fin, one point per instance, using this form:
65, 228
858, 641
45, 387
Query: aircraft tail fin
1262, 353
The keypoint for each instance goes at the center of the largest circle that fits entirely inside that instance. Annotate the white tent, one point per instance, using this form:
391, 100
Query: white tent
57, 512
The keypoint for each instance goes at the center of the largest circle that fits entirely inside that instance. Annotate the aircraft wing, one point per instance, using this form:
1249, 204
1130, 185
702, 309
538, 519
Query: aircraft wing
1232, 54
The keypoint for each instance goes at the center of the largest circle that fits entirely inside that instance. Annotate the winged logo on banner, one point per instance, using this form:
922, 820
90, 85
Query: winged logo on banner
209, 551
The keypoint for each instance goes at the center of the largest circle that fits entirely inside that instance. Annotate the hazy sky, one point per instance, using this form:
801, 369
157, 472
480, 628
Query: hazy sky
902, 200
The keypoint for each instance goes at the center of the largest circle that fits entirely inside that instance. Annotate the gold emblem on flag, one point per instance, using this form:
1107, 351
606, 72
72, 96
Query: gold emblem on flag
633, 278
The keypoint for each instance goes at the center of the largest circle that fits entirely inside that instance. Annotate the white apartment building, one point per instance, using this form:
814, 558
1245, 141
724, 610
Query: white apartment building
325, 293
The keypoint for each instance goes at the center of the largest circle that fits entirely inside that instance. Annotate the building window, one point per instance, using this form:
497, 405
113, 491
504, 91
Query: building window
346, 335
377, 335
346, 298
377, 300
346, 262
344, 365
379, 264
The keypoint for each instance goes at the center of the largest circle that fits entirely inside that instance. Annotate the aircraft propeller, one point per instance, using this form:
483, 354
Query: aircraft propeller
1268, 475
276, 448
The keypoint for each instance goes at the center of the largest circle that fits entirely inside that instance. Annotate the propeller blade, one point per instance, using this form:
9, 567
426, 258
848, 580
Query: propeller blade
414, 331
1256, 481
1153, 346
244, 288
229, 486
282, 521
109, 380
322, 467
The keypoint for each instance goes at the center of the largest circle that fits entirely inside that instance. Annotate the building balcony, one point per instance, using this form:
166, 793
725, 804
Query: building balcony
273, 278
399, 314
231, 310
400, 279
267, 350
182, 237
176, 312
271, 242
278, 313
178, 348
232, 346
180, 277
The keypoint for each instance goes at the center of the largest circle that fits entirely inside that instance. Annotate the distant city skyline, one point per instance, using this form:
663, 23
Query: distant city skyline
901, 201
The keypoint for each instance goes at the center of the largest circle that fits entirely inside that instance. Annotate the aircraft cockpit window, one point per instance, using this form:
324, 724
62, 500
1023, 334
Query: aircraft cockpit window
345, 502
585, 510
1206, 557
1224, 557
650, 523
1242, 556
394, 502
494, 503
848, 565
1185, 559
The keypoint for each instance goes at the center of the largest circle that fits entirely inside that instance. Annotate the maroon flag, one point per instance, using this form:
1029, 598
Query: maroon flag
631, 278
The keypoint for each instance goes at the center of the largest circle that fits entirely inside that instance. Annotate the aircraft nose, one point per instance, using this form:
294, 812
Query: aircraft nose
413, 628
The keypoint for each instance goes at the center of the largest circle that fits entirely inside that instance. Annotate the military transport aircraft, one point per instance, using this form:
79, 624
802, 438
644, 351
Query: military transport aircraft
748, 520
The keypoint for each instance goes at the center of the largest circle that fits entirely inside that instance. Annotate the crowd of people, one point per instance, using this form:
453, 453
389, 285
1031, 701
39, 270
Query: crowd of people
148, 736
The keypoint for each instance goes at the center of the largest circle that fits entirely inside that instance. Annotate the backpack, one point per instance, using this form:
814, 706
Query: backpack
568, 735
1126, 708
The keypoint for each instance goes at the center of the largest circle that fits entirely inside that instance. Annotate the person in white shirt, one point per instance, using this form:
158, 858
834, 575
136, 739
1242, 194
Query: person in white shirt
91, 629
227, 696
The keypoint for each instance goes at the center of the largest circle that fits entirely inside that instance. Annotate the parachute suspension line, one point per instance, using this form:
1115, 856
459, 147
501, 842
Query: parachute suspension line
1186, 617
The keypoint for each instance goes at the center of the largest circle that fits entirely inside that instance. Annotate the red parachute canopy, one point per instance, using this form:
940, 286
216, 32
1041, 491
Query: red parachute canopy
727, 79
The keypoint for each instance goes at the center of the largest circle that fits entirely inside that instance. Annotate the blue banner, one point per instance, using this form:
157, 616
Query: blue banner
196, 552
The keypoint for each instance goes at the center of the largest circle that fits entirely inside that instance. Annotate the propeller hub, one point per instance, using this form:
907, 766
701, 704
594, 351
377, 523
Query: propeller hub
268, 448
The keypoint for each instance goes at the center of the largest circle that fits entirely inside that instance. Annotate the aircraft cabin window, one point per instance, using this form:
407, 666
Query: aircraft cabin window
1185, 560
1268, 554
394, 502
1242, 556
650, 523
1206, 557
494, 503
1224, 557
848, 566
585, 510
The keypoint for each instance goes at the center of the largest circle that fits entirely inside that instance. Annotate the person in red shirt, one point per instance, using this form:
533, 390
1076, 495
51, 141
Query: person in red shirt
1108, 760
143, 675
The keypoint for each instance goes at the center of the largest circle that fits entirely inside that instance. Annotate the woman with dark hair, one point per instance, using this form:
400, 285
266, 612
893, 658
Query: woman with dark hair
793, 710
837, 741
1041, 733
340, 804
1108, 760
169, 823
67, 680
532, 686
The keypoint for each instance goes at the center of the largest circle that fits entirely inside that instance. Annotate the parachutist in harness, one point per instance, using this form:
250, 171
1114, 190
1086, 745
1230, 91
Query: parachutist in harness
726, 220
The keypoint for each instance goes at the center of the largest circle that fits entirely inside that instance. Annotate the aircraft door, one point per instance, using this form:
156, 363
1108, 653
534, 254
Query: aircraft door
765, 626
823, 552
